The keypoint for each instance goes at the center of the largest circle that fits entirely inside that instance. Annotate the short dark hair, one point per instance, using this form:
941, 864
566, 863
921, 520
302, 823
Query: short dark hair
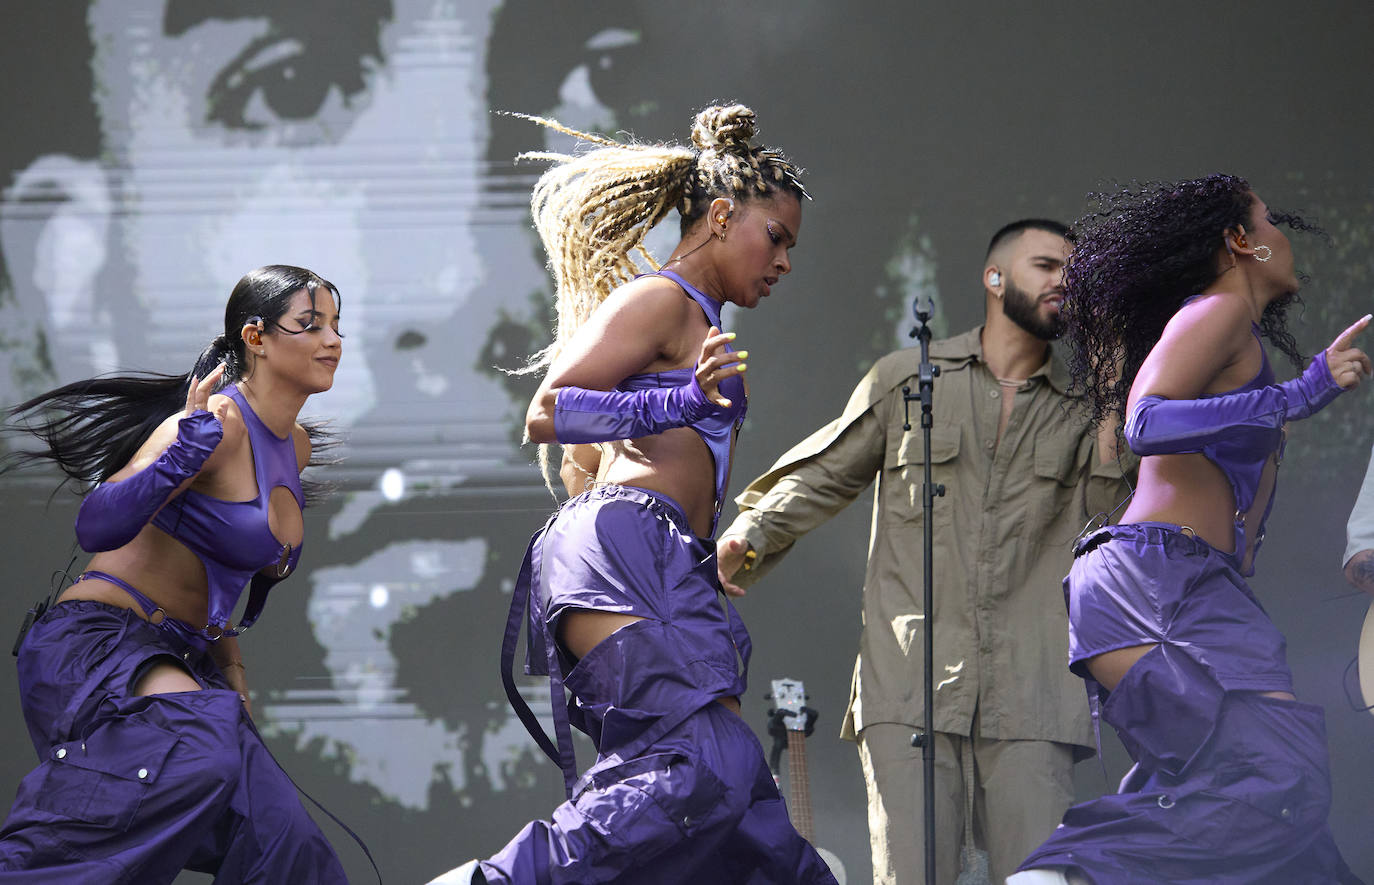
1016, 228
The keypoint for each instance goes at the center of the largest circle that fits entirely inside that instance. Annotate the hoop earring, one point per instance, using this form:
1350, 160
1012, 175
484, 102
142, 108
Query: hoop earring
1268, 253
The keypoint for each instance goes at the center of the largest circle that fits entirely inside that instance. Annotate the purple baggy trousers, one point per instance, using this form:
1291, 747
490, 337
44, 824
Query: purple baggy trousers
1229, 785
133, 789
680, 791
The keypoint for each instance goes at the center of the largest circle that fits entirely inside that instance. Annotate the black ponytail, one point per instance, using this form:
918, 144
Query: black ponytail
92, 428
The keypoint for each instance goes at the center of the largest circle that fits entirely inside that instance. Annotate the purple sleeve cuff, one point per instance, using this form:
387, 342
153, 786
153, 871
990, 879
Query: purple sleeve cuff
587, 416
113, 513
1313, 390
1159, 426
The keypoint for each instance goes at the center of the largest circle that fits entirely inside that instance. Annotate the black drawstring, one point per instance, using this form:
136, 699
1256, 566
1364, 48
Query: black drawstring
316, 803
63, 579
1352, 697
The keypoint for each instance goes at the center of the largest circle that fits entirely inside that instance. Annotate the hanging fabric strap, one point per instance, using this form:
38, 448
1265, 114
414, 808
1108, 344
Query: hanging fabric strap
563, 754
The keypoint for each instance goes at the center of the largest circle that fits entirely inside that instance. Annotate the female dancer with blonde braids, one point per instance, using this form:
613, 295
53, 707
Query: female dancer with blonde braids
645, 394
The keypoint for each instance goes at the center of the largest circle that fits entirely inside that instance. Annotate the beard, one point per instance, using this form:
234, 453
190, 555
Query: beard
1023, 309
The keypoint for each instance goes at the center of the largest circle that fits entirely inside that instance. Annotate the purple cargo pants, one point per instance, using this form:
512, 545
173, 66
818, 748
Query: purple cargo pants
680, 791
1229, 785
134, 789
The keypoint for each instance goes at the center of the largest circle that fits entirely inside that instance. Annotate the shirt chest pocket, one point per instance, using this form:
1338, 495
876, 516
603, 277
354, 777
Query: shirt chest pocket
1057, 458
1058, 468
904, 466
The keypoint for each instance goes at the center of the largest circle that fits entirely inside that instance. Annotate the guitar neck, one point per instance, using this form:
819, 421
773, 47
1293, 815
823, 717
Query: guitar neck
799, 804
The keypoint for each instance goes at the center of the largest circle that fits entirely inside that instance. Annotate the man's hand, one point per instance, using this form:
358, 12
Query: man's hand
731, 555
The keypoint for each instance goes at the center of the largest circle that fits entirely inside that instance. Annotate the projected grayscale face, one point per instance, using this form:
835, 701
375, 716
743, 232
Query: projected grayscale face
239, 134
355, 143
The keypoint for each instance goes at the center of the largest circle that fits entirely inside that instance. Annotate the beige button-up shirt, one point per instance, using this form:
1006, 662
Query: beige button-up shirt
1003, 532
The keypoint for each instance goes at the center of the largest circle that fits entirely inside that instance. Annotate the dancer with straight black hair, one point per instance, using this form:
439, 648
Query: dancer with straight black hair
133, 685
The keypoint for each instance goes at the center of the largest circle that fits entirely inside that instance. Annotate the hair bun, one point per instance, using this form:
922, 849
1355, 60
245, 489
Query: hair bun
724, 128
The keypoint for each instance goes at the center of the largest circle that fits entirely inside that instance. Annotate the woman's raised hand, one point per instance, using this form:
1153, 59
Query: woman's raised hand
716, 364
1348, 364
198, 397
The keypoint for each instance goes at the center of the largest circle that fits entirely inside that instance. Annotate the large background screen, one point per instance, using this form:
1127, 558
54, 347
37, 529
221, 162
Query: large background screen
155, 150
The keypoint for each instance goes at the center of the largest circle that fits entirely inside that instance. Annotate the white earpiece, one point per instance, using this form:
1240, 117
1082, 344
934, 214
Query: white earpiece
994, 279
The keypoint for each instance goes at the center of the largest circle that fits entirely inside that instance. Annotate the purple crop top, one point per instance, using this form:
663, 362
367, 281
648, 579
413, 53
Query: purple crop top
716, 430
1243, 455
232, 538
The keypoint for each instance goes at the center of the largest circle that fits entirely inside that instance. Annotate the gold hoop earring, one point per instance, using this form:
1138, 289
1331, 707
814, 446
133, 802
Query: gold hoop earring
1268, 253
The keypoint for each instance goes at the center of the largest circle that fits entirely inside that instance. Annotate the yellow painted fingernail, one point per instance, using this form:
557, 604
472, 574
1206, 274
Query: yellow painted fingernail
751, 555
742, 367
729, 336
742, 354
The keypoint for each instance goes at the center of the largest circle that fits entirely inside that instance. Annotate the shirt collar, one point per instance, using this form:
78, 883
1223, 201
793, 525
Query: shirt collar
968, 348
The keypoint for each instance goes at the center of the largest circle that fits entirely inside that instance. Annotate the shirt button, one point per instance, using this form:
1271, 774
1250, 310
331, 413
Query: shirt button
989, 444
1285, 814
62, 753
994, 394
686, 821
142, 773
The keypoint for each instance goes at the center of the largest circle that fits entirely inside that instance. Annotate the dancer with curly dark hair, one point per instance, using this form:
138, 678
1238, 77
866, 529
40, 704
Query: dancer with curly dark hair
1170, 289
133, 686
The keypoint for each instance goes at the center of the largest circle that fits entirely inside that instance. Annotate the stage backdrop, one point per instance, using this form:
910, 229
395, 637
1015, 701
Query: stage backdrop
155, 150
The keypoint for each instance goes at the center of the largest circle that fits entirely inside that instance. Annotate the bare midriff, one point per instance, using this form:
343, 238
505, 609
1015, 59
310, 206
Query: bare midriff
675, 463
1189, 490
156, 565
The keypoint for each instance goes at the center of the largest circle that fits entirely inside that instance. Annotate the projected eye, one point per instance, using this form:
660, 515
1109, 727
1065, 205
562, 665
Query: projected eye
617, 63
279, 79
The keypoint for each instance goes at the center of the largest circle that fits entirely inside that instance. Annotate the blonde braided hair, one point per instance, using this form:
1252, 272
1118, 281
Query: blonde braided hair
593, 209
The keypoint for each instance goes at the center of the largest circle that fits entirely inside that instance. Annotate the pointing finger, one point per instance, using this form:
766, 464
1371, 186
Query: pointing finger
1343, 340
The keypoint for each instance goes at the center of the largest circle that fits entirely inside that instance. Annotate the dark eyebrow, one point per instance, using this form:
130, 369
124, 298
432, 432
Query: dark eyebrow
789, 233
354, 28
181, 16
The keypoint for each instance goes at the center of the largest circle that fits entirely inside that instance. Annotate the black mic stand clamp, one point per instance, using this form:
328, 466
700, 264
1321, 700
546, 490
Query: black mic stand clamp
926, 375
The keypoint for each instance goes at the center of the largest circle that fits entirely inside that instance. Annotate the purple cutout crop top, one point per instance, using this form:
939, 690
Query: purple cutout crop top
233, 539
1237, 431
718, 429
1242, 456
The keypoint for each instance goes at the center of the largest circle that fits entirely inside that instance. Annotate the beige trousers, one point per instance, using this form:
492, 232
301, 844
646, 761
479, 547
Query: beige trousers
1020, 792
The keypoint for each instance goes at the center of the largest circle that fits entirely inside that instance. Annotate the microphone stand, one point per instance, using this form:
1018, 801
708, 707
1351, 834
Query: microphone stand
926, 374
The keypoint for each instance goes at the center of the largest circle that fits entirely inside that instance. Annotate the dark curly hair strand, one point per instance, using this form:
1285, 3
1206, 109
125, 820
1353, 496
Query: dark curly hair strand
1138, 253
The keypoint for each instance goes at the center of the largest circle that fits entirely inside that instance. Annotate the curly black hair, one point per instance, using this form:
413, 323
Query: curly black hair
1138, 253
